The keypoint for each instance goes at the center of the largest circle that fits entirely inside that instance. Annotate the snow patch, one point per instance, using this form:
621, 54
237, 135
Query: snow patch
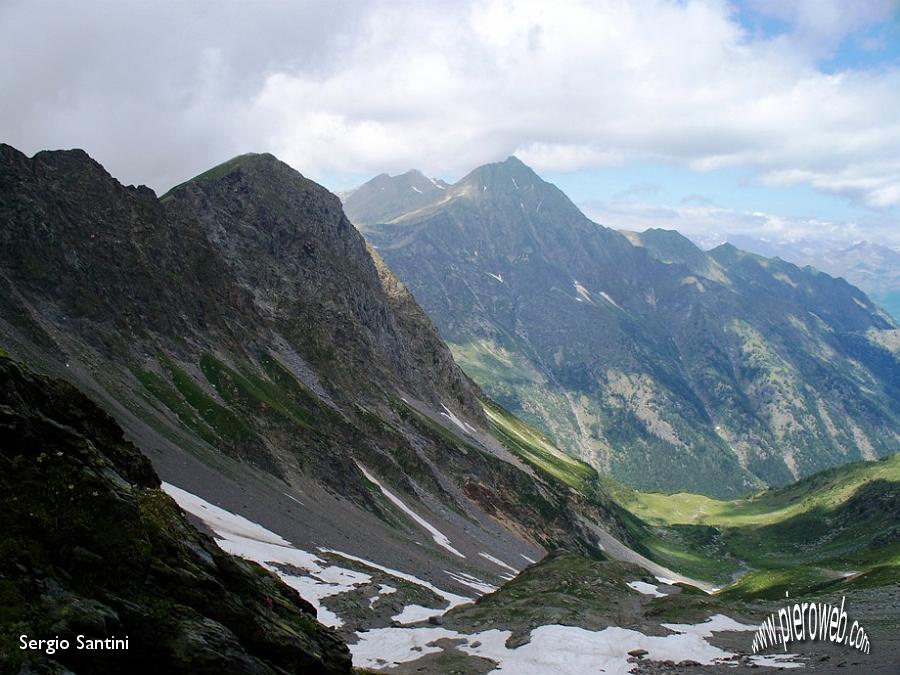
555, 649
383, 589
439, 537
497, 561
646, 589
389, 647
472, 582
453, 418
415, 189
530, 560
583, 295
292, 497
605, 296
498, 277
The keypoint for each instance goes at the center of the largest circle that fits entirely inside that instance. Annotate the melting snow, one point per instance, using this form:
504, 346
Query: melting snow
391, 646
583, 295
530, 560
472, 582
453, 418
498, 277
646, 589
497, 561
415, 189
239, 536
439, 537
554, 649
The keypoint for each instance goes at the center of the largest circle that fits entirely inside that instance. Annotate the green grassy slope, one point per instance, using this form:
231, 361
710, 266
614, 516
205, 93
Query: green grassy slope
837, 527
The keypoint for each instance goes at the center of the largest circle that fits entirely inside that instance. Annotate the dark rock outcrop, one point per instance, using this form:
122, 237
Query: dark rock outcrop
92, 546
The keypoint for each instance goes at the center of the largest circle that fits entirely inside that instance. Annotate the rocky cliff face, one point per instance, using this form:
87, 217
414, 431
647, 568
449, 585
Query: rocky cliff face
676, 369
93, 547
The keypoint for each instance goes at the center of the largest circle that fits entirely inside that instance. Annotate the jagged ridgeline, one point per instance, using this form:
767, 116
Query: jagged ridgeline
245, 338
677, 369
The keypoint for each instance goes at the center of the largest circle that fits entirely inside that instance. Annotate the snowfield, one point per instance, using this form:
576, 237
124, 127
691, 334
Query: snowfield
552, 649
558, 650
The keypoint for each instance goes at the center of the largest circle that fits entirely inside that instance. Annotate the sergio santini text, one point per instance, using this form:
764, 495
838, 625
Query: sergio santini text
81, 642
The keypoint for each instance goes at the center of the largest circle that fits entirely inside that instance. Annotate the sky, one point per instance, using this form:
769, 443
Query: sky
778, 119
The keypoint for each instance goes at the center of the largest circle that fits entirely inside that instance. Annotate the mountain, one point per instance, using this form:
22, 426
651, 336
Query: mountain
93, 547
872, 267
385, 197
246, 340
675, 369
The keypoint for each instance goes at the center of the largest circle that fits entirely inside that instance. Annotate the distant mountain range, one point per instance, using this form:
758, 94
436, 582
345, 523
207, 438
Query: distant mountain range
872, 267
675, 368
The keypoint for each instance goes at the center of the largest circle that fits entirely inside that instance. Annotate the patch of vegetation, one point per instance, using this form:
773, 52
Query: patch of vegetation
282, 396
538, 450
217, 172
224, 422
171, 399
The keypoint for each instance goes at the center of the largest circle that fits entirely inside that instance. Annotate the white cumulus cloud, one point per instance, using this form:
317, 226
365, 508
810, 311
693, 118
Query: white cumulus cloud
158, 92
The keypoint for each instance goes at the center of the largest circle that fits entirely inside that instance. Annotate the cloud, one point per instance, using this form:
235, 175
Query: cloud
637, 190
697, 200
158, 93
710, 224
819, 26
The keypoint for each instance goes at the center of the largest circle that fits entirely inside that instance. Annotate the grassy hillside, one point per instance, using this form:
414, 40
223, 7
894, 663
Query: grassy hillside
839, 526
836, 528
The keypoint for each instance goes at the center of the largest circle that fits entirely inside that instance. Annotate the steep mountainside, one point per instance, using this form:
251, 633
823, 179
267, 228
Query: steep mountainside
92, 546
674, 368
243, 336
872, 267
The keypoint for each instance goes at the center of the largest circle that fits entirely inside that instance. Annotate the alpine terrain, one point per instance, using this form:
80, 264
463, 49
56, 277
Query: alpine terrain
676, 369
